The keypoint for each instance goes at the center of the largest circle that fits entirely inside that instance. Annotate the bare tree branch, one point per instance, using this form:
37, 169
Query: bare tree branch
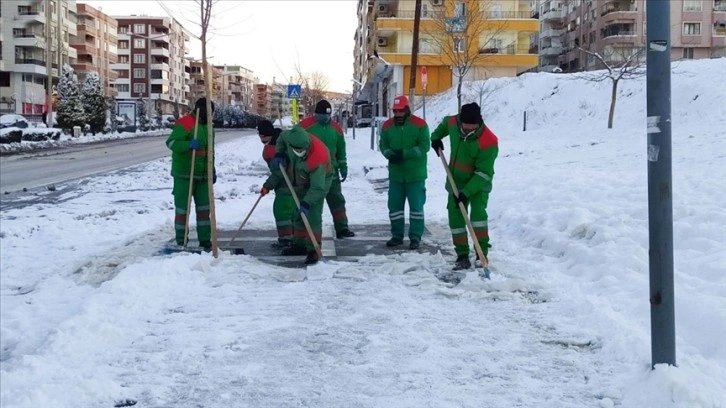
464, 37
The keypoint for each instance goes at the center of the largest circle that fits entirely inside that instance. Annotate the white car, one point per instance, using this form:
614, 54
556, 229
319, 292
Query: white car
13, 120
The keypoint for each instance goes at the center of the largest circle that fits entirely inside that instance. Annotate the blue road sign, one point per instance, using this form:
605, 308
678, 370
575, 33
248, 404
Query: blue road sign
293, 91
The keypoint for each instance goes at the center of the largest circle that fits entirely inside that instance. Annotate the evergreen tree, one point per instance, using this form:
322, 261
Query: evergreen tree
158, 114
70, 108
93, 103
141, 117
112, 113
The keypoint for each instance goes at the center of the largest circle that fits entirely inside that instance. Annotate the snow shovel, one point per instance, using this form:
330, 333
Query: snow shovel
304, 217
483, 259
241, 251
191, 184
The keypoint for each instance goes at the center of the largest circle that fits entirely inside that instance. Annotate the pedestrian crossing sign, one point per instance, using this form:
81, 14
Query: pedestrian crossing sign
293, 91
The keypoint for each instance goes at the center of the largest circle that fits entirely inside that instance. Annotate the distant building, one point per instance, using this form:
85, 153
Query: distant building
97, 47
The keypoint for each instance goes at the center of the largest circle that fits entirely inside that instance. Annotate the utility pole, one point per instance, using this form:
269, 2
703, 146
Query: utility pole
48, 63
59, 38
660, 187
414, 53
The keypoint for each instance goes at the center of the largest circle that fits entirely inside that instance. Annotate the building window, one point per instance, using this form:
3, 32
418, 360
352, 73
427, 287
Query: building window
139, 73
123, 59
692, 5
139, 58
139, 43
139, 88
123, 29
688, 53
424, 10
459, 10
122, 87
691, 28
459, 45
140, 28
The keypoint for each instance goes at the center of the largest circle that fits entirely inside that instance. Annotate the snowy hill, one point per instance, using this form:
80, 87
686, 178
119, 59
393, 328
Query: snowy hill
554, 100
90, 318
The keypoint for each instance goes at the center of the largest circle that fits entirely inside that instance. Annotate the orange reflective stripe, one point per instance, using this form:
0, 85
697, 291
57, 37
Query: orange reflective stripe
462, 167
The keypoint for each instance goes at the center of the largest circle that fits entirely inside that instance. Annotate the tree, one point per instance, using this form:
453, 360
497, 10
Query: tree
141, 116
70, 109
176, 109
312, 88
465, 35
93, 103
156, 119
620, 64
112, 113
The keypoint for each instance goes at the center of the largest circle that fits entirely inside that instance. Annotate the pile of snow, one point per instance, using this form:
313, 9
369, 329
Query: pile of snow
44, 138
563, 323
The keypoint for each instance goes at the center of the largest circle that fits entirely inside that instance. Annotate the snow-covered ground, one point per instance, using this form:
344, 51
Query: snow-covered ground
89, 318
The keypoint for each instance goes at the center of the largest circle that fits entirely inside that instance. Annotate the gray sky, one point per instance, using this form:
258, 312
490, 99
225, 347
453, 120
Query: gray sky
268, 37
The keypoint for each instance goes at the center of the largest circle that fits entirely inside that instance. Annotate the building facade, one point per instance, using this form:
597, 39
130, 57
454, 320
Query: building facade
237, 84
263, 100
151, 62
96, 44
24, 46
616, 29
491, 37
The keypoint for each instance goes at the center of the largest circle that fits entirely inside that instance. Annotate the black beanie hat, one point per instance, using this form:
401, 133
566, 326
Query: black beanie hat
323, 107
265, 128
471, 113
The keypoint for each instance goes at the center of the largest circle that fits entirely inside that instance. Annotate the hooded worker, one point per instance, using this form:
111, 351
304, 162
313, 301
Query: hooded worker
311, 173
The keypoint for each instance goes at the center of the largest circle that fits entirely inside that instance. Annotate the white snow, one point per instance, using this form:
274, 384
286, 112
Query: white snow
90, 318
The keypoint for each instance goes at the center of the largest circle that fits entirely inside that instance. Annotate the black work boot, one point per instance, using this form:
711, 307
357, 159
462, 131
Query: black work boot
281, 243
346, 233
206, 246
414, 245
462, 262
394, 242
294, 250
312, 258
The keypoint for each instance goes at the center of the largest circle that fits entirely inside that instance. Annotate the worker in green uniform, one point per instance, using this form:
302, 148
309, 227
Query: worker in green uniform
404, 141
474, 148
183, 141
307, 161
284, 206
330, 132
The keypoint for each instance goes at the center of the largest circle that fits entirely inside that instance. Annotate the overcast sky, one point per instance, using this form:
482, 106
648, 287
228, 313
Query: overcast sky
266, 36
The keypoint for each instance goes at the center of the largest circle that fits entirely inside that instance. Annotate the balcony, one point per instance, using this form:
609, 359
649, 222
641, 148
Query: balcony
553, 14
31, 17
551, 51
159, 52
84, 67
617, 6
160, 66
119, 66
551, 32
506, 15
33, 66
123, 51
29, 41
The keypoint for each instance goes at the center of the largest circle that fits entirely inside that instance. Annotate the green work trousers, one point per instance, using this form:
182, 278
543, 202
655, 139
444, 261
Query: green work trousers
336, 204
300, 235
478, 217
283, 208
200, 194
415, 193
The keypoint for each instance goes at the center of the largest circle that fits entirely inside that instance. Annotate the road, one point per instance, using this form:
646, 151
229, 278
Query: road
49, 167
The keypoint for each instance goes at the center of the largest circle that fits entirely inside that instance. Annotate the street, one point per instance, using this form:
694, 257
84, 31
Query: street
49, 167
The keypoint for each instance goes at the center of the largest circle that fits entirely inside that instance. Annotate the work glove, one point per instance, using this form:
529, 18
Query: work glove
264, 191
214, 176
437, 146
280, 159
461, 198
343, 173
396, 157
194, 144
304, 208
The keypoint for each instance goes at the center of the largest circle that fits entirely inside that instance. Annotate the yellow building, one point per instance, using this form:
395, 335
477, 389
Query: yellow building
472, 39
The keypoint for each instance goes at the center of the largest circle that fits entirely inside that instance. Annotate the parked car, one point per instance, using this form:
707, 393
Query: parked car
13, 120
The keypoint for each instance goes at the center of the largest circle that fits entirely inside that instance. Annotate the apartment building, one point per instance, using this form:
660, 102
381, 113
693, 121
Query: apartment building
151, 62
96, 44
492, 36
237, 85
24, 43
197, 83
281, 104
616, 29
263, 100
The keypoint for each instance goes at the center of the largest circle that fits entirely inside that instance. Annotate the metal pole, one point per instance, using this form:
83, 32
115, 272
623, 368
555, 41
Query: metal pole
424, 104
48, 63
355, 108
414, 52
660, 197
374, 115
